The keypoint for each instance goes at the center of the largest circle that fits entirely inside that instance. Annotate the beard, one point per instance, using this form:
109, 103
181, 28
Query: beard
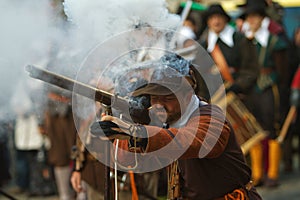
164, 116
159, 114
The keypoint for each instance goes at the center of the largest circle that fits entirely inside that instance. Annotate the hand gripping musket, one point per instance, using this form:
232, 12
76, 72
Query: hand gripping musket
85, 90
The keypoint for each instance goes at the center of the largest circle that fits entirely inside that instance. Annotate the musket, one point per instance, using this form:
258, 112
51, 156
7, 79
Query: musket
83, 89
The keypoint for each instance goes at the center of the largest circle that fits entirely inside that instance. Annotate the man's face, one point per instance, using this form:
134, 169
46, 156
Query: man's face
168, 108
216, 22
254, 21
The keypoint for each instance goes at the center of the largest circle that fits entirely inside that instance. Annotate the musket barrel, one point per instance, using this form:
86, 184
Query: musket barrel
80, 88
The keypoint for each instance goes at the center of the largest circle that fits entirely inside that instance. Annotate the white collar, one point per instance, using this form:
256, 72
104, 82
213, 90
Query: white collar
193, 105
266, 22
262, 34
226, 36
185, 33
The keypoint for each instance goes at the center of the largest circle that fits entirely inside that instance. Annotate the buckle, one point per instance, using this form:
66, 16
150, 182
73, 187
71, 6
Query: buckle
249, 185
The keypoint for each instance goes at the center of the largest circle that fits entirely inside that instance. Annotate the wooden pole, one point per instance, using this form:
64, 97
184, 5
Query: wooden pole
286, 124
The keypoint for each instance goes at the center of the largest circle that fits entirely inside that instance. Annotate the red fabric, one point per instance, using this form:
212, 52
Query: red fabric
275, 28
296, 80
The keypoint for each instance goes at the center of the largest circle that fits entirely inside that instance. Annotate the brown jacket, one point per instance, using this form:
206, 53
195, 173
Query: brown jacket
215, 170
60, 127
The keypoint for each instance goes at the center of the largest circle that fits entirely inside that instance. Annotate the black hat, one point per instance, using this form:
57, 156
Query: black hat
215, 9
172, 75
252, 2
254, 6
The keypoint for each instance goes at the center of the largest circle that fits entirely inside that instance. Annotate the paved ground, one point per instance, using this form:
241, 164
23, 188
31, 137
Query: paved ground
289, 189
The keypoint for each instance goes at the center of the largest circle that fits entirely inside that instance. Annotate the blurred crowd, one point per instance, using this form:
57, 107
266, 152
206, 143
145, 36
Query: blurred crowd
41, 153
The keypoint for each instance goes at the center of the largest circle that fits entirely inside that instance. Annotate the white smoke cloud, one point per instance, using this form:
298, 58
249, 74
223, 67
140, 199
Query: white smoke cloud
104, 18
30, 29
97, 20
26, 31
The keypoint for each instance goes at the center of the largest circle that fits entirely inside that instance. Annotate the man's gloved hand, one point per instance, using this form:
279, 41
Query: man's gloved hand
110, 128
107, 130
114, 128
138, 109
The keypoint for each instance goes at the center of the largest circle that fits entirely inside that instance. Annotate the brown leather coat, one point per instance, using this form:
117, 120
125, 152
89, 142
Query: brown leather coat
212, 164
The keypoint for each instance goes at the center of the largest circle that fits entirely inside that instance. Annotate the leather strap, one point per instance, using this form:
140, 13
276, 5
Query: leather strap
221, 63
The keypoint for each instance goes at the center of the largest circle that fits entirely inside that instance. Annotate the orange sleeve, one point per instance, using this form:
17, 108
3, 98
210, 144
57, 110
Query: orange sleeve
203, 136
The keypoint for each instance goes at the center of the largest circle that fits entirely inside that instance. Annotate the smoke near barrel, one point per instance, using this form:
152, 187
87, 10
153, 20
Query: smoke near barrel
59, 36
26, 30
99, 43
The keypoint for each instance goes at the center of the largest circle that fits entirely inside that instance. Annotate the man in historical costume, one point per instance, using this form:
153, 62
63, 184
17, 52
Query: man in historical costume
88, 176
236, 59
273, 9
294, 59
210, 162
266, 101
61, 130
233, 53
293, 131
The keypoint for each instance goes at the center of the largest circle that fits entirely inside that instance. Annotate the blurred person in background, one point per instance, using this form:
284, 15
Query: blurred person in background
88, 176
58, 123
267, 101
27, 136
186, 33
6, 128
294, 130
275, 11
233, 53
272, 19
294, 53
60, 128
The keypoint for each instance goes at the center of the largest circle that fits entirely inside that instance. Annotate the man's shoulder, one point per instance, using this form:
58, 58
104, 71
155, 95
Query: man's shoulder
209, 109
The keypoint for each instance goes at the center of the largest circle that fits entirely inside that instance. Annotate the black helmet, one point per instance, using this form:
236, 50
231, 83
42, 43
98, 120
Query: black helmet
173, 73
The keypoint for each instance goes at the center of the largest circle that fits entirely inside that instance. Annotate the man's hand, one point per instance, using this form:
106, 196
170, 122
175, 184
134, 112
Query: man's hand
138, 109
76, 181
114, 128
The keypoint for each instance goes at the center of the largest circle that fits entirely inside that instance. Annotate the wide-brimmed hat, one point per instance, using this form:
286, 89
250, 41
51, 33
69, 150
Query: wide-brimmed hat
161, 84
171, 77
253, 6
215, 9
